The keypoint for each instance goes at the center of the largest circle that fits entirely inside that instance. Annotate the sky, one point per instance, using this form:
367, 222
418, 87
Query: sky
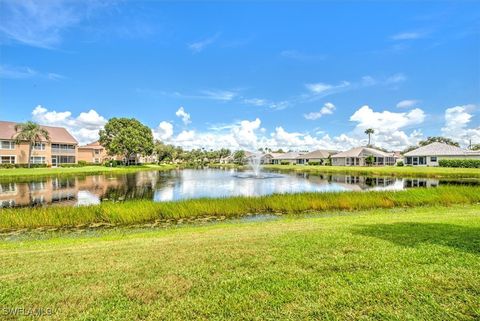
245, 75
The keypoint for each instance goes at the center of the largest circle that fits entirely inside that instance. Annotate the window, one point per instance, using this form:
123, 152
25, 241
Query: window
7, 144
7, 160
39, 146
8, 188
96, 160
37, 159
433, 158
59, 159
97, 151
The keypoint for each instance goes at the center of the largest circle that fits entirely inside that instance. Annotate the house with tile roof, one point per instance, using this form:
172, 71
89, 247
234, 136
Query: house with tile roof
358, 157
61, 149
320, 156
431, 154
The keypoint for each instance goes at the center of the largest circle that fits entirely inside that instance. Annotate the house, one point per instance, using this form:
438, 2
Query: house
357, 157
92, 153
61, 149
290, 157
431, 154
320, 156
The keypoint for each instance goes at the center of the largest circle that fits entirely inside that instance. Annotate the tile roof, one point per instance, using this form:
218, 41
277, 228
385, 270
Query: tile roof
321, 153
357, 151
440, 149
57, 134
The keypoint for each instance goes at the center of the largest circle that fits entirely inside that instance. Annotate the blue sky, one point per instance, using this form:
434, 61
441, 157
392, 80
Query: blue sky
246, 75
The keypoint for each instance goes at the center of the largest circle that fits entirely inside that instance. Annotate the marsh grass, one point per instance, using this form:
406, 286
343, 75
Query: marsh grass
144, 211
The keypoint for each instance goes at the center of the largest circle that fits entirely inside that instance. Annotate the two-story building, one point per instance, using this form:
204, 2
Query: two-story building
61, 149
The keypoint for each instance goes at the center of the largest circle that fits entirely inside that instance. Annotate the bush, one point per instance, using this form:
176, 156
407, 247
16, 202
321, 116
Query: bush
315, 163
284, 162
113, 163
400, 163
7, 165
82, 163
463, 163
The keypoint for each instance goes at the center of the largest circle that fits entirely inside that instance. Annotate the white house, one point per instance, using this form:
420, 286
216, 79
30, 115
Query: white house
431, 154
290, 157
357, 157
320, 156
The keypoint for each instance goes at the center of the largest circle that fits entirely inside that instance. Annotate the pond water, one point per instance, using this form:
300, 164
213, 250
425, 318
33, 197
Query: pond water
191, 183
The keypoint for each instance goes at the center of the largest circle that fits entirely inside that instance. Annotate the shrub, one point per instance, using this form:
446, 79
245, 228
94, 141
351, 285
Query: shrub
284, 162
464, 163
82, 163
400, 163
7, 165
315, 163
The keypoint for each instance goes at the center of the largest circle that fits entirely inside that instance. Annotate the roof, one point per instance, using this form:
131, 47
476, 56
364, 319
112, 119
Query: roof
357, 151
94, 145
440, 149
321, 153
289, 155
57, 134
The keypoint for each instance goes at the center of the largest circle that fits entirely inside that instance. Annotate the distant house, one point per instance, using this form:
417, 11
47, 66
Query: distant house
431, 154
357, 157
92, 153
61, 149
320, 156
290, 157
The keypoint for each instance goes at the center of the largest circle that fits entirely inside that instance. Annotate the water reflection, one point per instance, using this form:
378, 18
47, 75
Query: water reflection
188, 183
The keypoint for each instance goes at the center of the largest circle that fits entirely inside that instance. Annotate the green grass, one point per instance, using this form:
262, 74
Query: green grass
396, 264
23, 173
144, 211
402, 171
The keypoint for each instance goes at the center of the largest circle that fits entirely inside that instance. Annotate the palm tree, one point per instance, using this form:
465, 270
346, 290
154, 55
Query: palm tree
369, 132
31, 133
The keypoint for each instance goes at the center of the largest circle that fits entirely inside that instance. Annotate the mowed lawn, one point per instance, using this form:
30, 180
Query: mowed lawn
397, 264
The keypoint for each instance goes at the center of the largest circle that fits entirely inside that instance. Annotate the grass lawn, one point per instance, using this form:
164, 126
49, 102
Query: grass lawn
396, 264
18, 173
403, 171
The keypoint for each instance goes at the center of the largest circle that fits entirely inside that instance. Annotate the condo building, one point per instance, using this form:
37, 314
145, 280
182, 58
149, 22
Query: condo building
61, 149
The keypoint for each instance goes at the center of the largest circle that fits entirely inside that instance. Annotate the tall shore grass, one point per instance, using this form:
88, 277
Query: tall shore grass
144, 211
400, 171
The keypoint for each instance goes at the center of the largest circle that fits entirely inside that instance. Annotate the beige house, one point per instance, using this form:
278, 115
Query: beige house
357, 157
290, 157
61, 149
92, 153
431, 154
320, 156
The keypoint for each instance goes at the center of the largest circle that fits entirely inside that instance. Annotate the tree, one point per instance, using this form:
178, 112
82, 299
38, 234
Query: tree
239, 156
369, 132
475, 147
127, 137
439, 139
369, 160
31, 133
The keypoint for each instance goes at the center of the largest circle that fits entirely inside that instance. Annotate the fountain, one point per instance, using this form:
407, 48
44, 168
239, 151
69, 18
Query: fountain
255, 162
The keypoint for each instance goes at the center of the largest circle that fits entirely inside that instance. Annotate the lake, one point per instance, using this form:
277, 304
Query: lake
191, 183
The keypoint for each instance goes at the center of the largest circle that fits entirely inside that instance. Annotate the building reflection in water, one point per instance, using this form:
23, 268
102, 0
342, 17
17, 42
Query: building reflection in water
184, 184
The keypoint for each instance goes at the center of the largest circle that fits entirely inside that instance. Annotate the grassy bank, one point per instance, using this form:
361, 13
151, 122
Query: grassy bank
22, 173
141, 211
397, 264
402, 171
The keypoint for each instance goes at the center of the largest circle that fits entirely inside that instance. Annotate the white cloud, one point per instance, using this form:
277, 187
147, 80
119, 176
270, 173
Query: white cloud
408, 35
164, 131
327, 109
84, 127
279, 105
223, 95
457, 120
407, 103
321, 88
183, 115
11, 72
389, 126
200, 45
